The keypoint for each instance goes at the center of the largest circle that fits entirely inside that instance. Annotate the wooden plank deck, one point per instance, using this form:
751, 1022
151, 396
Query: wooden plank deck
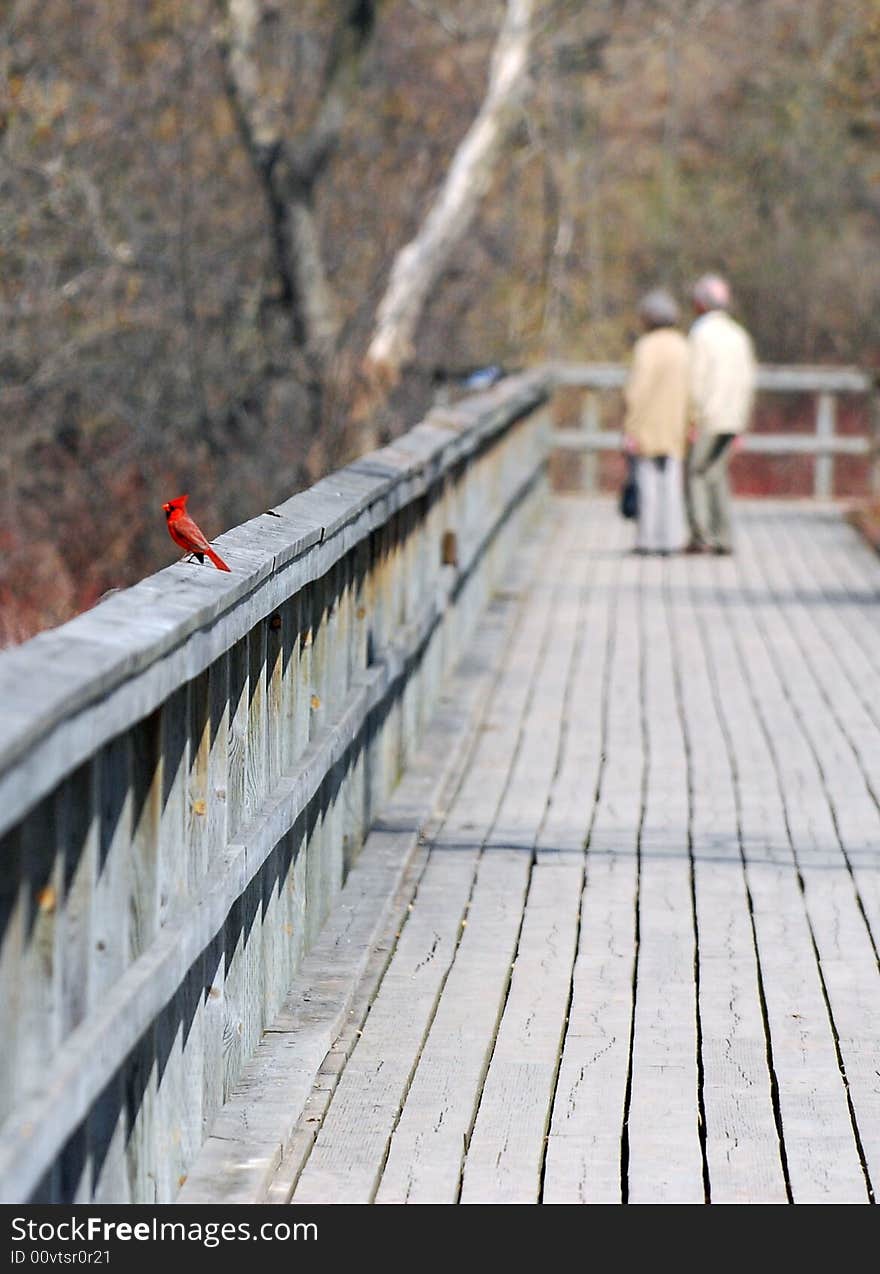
636, 959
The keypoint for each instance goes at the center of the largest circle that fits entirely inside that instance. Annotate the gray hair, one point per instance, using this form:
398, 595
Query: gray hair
659, 308
712, 292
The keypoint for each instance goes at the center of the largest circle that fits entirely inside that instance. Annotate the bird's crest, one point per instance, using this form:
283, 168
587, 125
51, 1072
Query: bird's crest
179, 502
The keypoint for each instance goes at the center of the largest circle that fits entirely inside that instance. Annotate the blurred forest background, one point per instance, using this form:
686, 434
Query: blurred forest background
201, 202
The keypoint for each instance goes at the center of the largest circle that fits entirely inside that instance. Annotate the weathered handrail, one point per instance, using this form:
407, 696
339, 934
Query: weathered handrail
825, 382
187, 772
781, 377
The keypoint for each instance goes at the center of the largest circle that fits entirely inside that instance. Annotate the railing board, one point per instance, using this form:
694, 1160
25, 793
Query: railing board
170, 1099
179, 694
142, 1139
147, 798
256, 751
239, 672
106, 1141
198, 782
788, 444
78, 847
302, 688
112, 885
795, 378
132, 629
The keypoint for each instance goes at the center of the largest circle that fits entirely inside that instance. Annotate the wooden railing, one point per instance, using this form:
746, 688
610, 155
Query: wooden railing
825, 384
187, 771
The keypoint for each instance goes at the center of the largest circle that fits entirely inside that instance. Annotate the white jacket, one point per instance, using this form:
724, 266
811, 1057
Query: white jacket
722, 374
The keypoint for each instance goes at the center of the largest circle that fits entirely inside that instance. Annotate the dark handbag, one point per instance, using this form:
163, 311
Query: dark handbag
629, 492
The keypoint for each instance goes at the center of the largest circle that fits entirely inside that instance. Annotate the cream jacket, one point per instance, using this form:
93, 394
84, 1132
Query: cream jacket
722, 374
656, 393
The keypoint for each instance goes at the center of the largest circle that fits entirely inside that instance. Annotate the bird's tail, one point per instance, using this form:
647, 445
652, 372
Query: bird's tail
216, 559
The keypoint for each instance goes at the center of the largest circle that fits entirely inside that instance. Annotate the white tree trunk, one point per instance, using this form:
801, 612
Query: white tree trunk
418, 265
263, 122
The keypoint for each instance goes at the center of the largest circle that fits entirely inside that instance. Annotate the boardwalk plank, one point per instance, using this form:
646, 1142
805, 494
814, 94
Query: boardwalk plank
425, 1159
573, 796
741, 1137
854, 572
583, 1162
801, 1035
505, 1155
845, 680
665, 1160
835, 799
685, 1011
351, 1148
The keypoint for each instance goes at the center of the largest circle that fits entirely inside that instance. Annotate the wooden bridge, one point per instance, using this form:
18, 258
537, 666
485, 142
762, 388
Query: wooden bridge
446, 851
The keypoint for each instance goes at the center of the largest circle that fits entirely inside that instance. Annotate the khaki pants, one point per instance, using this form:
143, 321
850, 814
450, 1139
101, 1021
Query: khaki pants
708, 491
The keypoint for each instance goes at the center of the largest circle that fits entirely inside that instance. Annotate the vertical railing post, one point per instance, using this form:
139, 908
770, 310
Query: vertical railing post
590, 425
823, 482
874, 430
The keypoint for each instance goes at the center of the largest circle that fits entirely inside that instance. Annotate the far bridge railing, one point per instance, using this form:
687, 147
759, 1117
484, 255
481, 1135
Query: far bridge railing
825, 385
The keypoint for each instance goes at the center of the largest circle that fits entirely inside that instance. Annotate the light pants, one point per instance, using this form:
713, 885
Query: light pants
661, 511
708, 491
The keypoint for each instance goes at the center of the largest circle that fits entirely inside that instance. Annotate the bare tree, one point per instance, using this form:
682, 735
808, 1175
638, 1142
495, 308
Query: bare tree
290, 172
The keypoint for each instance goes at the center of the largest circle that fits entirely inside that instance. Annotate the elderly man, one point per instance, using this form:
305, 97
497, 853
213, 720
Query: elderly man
655, 426
722, 393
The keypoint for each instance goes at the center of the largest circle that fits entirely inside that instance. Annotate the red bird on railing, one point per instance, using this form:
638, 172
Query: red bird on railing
184, 532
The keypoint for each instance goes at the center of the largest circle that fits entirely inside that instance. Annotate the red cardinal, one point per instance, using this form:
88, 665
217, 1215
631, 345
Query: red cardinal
184, 532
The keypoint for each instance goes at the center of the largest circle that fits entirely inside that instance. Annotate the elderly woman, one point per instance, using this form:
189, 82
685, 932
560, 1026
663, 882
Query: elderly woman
655, 425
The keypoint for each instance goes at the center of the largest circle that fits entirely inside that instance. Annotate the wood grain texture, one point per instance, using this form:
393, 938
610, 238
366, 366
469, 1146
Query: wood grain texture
665, 1160
823, 1164
599, 788
426, 1153
741, 1134
692, 1011
505, 1154
351, 1148
834, 808
710, 1047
